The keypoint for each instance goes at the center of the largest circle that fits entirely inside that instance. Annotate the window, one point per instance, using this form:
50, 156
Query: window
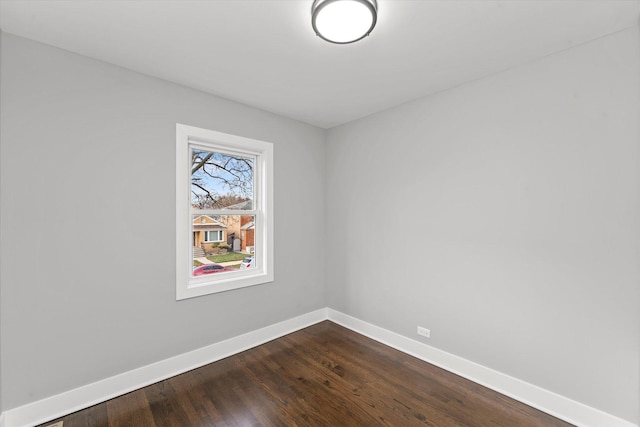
224, 211
213, 236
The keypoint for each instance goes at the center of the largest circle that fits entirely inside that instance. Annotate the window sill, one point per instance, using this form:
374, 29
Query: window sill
199, 286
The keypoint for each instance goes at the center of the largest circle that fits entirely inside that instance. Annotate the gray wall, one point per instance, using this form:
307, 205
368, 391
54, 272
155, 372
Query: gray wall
88, 222
504, 215
1, 38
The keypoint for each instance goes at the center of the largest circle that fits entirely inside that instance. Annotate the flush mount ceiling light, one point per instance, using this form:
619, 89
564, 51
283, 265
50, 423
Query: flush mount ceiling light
343, 21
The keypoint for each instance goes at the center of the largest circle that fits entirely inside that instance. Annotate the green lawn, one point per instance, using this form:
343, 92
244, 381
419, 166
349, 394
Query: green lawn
231, 256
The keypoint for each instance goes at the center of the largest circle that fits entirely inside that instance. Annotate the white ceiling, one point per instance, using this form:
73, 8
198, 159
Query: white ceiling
263, 52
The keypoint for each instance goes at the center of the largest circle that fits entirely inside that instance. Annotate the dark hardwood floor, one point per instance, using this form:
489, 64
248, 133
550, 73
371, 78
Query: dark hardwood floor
324, 375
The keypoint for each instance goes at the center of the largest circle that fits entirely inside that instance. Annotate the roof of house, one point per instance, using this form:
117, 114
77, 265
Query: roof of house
246, 206
209, 223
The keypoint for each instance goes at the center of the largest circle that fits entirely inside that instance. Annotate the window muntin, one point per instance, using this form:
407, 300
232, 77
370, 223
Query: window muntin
224, 193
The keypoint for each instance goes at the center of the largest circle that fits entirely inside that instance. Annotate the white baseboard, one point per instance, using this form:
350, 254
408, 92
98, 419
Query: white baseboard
554, 404
74, 400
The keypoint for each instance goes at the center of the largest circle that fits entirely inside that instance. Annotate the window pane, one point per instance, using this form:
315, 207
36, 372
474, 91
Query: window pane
223, 240
221, 181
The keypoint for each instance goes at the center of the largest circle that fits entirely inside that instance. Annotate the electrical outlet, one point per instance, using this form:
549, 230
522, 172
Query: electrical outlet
424, 332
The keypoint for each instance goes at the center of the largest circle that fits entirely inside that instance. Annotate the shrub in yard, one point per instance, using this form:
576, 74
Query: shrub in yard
210, 248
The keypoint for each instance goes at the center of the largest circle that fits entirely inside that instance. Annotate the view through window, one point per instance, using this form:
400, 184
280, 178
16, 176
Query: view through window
220, 183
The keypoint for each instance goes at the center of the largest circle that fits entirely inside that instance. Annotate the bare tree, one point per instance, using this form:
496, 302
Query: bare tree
220, 180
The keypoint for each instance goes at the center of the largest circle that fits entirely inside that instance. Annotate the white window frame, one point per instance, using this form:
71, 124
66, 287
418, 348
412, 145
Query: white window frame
206, 235
188, 286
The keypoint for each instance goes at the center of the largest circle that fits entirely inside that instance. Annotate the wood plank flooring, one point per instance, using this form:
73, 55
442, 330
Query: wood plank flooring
324, 375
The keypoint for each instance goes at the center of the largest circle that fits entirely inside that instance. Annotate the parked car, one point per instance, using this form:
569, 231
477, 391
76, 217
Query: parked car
247, 263
210, 269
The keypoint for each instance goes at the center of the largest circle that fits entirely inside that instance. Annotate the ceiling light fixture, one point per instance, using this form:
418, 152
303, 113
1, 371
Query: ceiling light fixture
343, 21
